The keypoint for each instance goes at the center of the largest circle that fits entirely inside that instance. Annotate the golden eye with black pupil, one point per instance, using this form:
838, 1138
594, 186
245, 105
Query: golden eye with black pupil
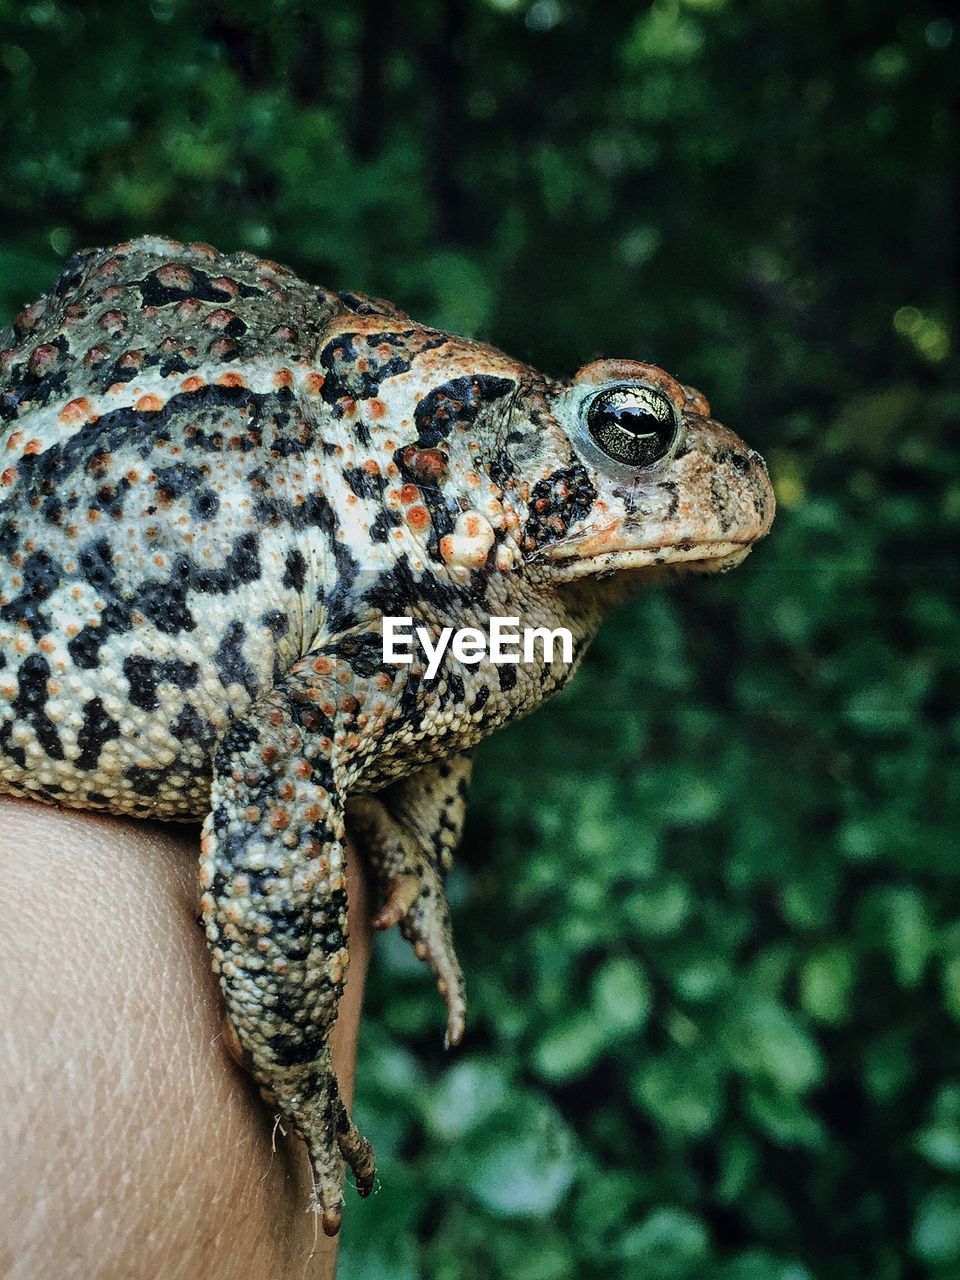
632, 424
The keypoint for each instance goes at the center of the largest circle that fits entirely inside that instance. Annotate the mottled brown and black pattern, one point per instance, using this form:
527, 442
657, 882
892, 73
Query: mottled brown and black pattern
216, 480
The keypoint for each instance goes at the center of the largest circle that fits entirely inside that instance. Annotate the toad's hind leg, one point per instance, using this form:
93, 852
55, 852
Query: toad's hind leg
409, 832
275, 908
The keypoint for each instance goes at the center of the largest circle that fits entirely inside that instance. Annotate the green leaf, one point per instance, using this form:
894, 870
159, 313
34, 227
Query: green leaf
950, 982
936, 1229
940, 1144
670, 1243
682, 1093
466, 1096
570, 1047
759, 1264
784, 1119
659, 910
621, 996
899, 918
525, 1169
826, 984
767, 1042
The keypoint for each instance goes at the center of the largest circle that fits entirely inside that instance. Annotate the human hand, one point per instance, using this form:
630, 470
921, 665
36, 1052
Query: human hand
132, 1145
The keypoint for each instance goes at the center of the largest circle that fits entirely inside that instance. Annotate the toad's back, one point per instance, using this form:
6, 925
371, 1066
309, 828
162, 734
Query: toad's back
152, 568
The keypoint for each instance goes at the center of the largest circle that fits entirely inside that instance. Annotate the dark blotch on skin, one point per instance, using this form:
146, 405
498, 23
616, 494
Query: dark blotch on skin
669, 487
480, 699
230, 662
155, 294
383, 355
191, 726
84, 648
566, 495
179, 479
276, 622
30, 701
41, 575
507, 673
16, 754
295, 570
36, 389
384, 522
9, 540
204, 505
165, 604
97, 729
362, 483
145, 674
96, 564
146, 782
362, 306
457, 404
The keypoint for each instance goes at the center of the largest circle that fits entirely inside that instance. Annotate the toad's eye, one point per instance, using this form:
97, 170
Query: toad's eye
632, 424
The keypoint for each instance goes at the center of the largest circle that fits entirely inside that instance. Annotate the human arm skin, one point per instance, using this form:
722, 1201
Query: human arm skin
131, 1145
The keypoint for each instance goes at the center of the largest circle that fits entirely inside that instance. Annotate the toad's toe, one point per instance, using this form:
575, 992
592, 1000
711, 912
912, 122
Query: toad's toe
401, 896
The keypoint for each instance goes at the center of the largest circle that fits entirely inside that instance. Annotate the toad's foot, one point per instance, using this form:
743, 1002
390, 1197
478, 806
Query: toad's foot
332, 1137
409, 832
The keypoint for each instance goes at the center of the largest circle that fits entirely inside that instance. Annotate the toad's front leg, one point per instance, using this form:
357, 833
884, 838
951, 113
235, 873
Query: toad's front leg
409, 832
275, 908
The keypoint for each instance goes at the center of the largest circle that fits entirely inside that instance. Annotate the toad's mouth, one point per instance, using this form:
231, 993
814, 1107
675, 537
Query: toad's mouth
565, 563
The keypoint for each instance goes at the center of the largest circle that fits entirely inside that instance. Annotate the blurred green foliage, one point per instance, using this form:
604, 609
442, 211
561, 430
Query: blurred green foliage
713, 932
